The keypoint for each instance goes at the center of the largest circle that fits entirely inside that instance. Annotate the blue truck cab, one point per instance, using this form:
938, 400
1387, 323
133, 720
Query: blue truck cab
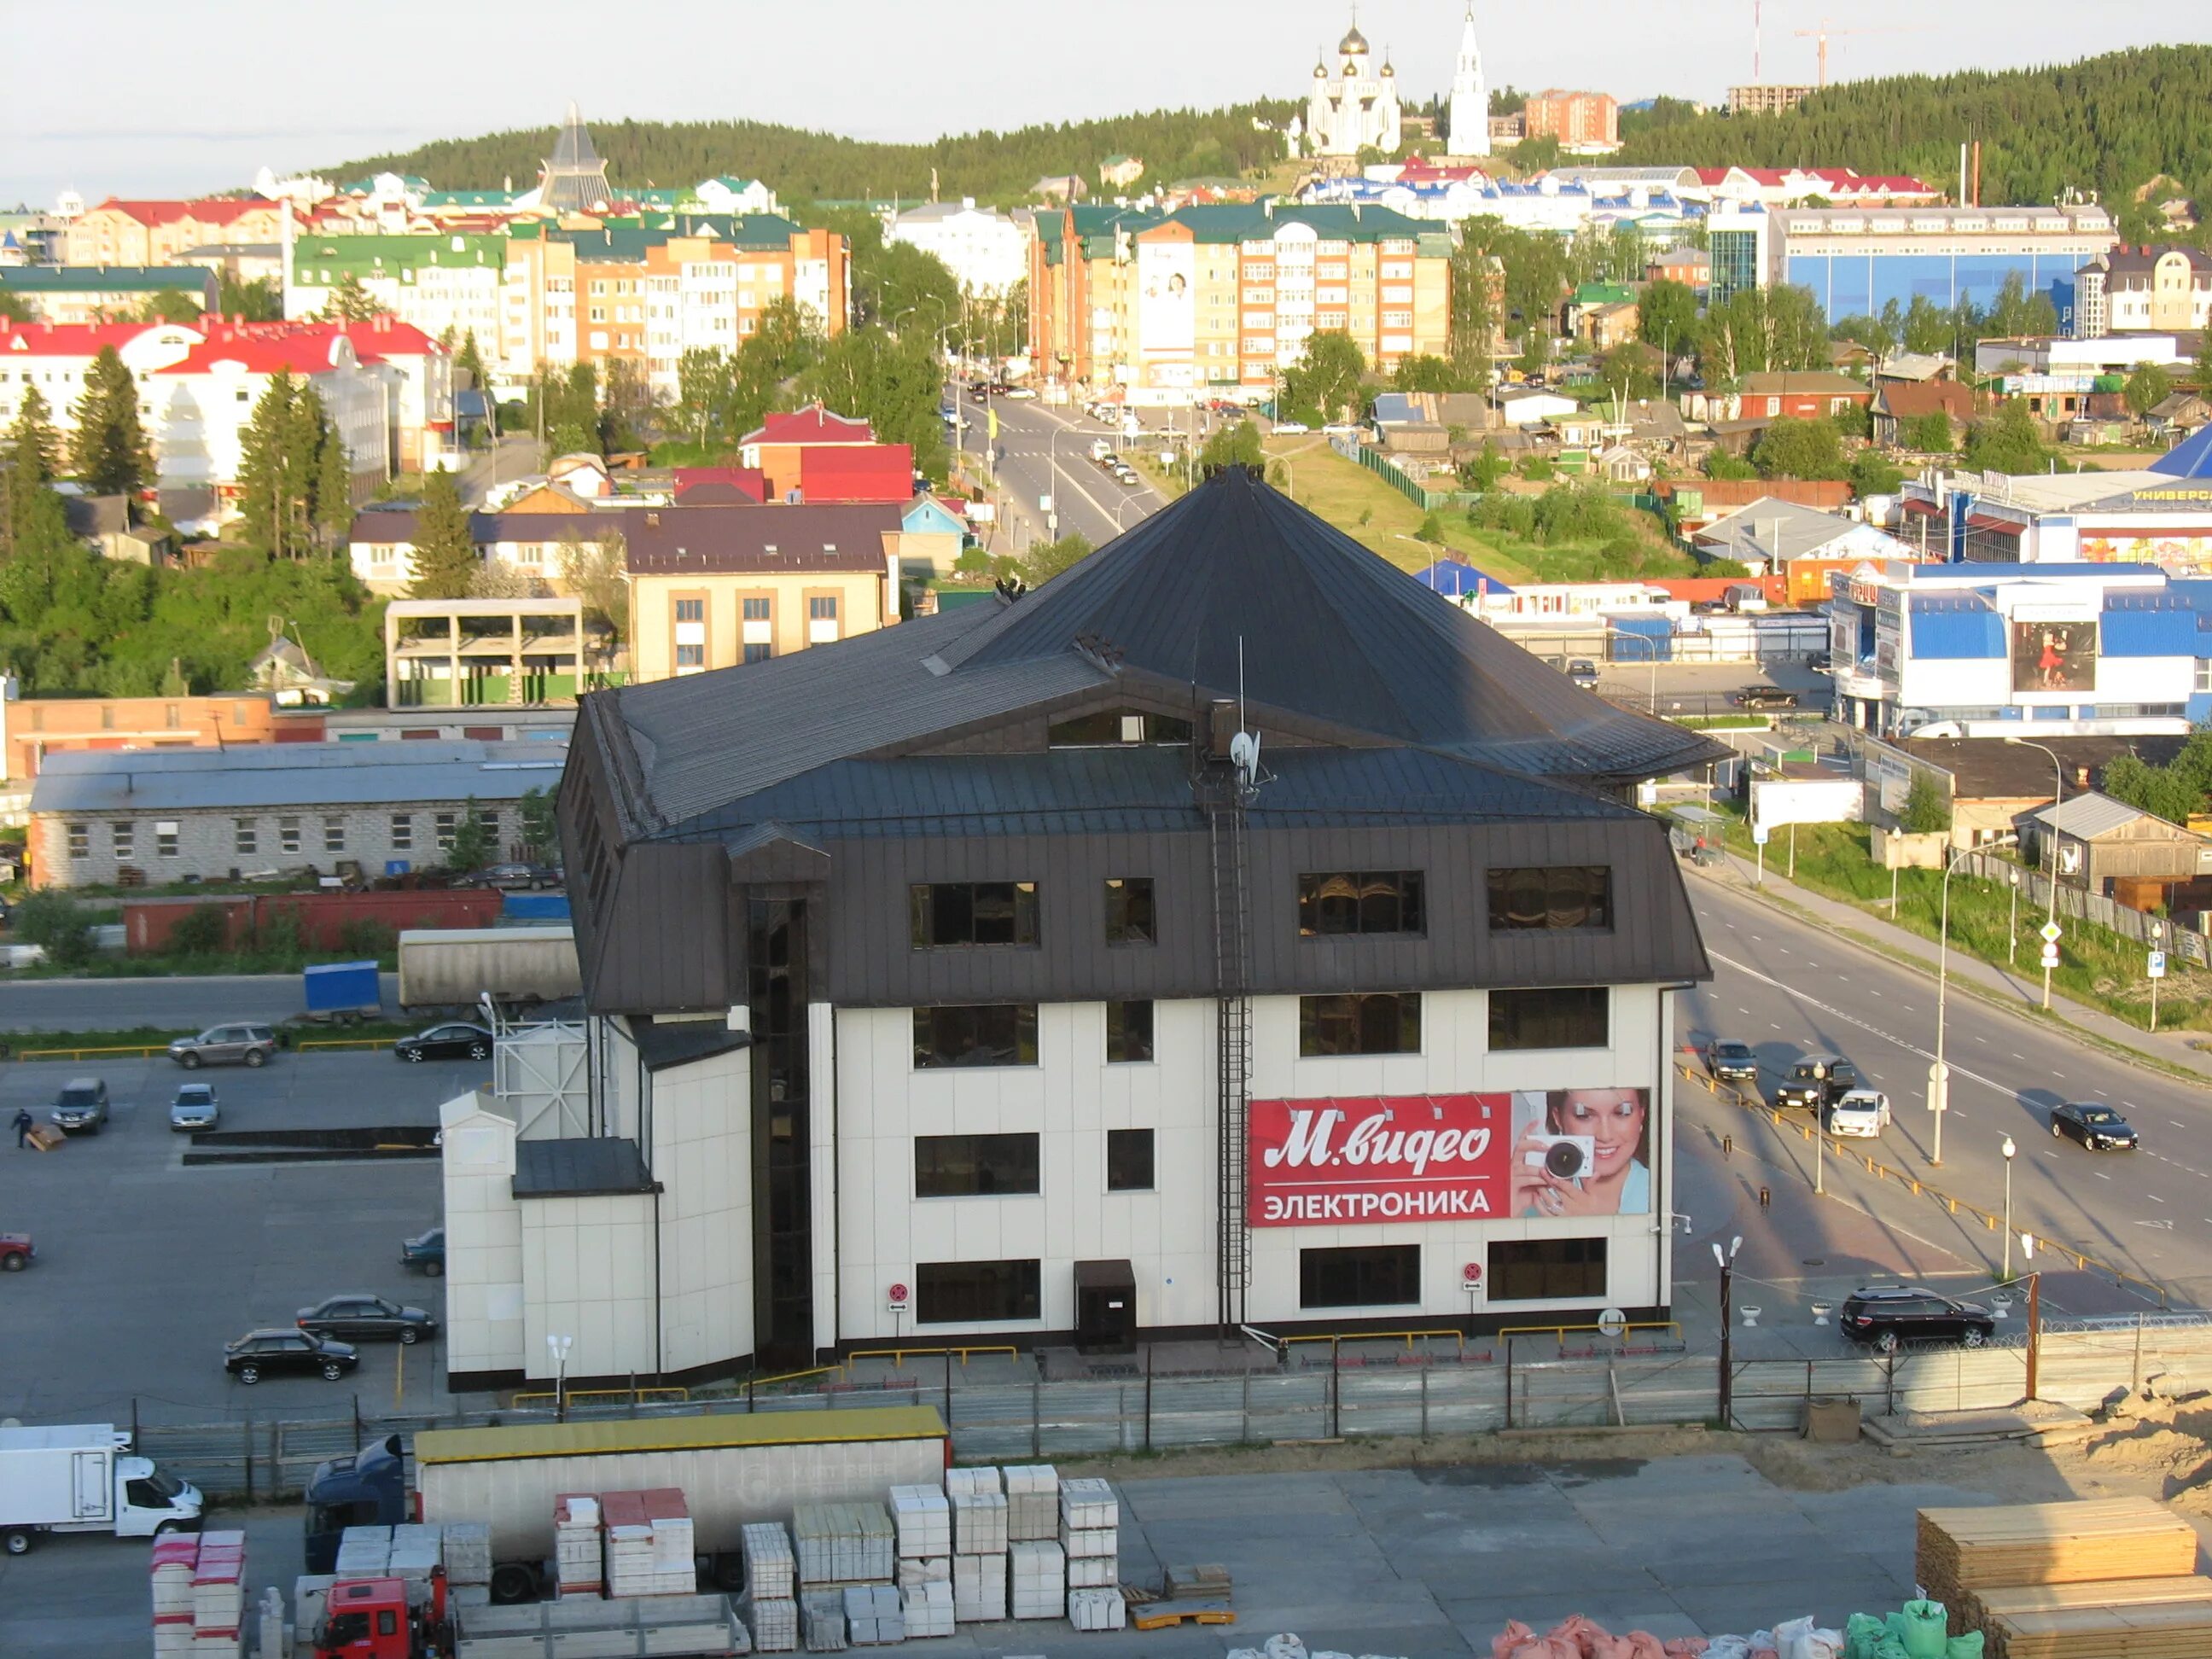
368, 1489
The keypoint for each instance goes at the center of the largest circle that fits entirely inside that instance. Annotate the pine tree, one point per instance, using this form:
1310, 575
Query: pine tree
108, 453
445, 551
469, 360
350, 302
266, 504
333, 481
29, 461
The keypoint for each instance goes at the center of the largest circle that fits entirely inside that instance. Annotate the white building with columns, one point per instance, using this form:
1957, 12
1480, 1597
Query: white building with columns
1356, 108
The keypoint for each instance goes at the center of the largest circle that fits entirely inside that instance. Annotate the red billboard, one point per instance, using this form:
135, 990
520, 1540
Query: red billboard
1378, 1158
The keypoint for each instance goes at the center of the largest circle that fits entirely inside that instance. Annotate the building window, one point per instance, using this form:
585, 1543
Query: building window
333, 833
975, 1292
756, 610
1129, 1033
822, 609
1557, 896
758, 654
691, 611
975, 1166
1113, 726
443, 823
402, 832
1542, 1269
690, 656
976, 1034
488, 816
243, 837
1130, 917
165, 840
1375, 1022
1552, 1017
125, 836
79, 840
1373, 1276
288, 835
954, 913
1360, 901
1129, 1161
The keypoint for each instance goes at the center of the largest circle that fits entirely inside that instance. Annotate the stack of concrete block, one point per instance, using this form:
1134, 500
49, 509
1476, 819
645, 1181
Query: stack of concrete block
822, 1620
924, 1520
468, 1562
771, 1583
927, 1607
364, 1552
873, 1618
417, 1552
219, 1595
773, 1620
1037, 1577
842, 1543
979, 1588
1032, 1502
1090, 1531
578, 1563
979, 1511
1097, 1609
648, 1543
174, 1558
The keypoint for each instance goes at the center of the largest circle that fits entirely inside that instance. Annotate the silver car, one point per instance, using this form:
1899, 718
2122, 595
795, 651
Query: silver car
81, 1105
194, 1108
225, 1045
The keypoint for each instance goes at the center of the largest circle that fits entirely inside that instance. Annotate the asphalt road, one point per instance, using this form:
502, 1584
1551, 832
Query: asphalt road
146, 1267
1047, 451
118, 1005
1786, 986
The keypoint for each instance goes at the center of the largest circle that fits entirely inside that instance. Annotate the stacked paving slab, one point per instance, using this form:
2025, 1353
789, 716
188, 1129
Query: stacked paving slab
842, 1544
873, 1617
979, 1545
770, 1606
579, 1567
923, 1517
648, 1543
1090, 1533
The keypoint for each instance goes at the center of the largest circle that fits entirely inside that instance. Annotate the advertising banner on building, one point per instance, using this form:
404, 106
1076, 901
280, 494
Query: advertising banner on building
2050, 655
1167, 297
1377, 1158
1581, 1151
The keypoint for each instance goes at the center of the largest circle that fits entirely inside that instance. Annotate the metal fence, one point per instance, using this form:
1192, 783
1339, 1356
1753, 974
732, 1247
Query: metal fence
2074, 902
1511, 1384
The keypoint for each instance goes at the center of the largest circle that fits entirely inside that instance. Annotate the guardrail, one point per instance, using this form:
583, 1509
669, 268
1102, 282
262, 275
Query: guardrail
897, 1356
139, 1049
635, 1396
344, 1042
1408, 1337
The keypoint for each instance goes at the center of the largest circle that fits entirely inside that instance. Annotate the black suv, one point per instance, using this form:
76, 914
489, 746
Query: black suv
1815, 1081
1887, 1316
272, 1353
1733, 1061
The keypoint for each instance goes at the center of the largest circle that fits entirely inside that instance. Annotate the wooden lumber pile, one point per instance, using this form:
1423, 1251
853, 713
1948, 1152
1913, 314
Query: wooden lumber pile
2168, 1630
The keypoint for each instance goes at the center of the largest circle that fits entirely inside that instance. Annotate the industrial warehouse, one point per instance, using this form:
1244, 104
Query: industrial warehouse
1230, 932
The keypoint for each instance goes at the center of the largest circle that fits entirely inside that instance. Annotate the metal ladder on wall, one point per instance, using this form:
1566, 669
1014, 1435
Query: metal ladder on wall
1225, 825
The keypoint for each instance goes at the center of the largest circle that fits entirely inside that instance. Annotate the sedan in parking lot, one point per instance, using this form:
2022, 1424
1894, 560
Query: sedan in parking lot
359, 1316
425, 1252
456, 1042
276, 1353
2099, 1128
194, 1108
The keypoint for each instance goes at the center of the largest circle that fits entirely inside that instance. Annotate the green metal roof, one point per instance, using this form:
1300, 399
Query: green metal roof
627, 239
1602, 293
470, 198
380, 256
106, 279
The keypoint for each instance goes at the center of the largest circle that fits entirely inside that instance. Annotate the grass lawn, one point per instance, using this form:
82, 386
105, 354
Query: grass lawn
2096, 967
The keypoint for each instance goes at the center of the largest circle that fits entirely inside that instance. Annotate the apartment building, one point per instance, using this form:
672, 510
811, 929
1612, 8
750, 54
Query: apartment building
96, 293
986, 251
1579, 120
434, 282
2135, 290
138, 233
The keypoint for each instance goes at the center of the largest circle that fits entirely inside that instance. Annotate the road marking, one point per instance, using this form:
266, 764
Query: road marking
2152, 1197
2177, 1123
1853, 1019
2101, 1176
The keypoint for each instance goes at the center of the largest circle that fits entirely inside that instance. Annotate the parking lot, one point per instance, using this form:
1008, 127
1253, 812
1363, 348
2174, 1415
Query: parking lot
146, 1267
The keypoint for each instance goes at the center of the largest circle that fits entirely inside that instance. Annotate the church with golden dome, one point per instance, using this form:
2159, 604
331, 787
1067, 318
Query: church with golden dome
1355, 107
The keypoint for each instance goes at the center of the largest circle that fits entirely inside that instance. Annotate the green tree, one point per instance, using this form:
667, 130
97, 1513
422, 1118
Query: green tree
60, 927
706, 383
2016, 312
202, 930
333, 486
1231, 446
1927, 810
1872, 473
1928, 329
168, 305
444, 549
1930, 433
892, 384
350, 302
2005, 441
598, 574
1477, 281
257, 301
1631, 370
1483, 472
1881, 334
108, 452
541, 831
1328, 377
13, 306
1424, 372
1666, 315
2148, 387
1720, 463
469, 360
295, 476
1760, 330
1799, 449
1046, 560
474, 845
29, 463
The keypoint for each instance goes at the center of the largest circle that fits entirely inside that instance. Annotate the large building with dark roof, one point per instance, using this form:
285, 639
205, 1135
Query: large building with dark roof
1231, 930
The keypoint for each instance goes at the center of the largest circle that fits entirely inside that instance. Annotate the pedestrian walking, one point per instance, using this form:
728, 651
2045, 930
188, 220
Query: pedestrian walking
24, 1120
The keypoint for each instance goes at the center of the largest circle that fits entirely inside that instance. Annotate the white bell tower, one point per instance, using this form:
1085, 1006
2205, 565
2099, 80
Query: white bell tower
1470, 96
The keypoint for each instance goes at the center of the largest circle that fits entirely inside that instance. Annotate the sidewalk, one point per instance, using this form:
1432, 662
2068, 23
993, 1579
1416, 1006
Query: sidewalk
2018, 991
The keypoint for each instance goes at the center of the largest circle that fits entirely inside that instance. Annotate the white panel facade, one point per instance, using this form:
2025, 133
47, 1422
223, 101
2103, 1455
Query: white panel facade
587, 1274
703, 1156
483, 1239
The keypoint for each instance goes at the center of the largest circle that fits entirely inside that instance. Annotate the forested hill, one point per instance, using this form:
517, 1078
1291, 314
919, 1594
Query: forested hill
2110, 124
808, 167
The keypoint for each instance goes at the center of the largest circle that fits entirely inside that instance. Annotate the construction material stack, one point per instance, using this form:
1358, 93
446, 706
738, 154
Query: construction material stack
842, 1544
417, 1551
770, 1606
923, 1517
2104, 1576
174, 1558
1037, 1579
873, 1618
1089, 1534
649, 1542
468, 1562
979, 1545
1032, 1503
822, 1620
218, 1596
364, 1552
578, 1564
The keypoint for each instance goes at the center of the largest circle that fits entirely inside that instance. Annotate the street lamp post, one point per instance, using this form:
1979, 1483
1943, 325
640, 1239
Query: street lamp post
2009, 1150
1728, 1325
2012, 930
2051, 835
559, 1346
1939, 1074
2158, 948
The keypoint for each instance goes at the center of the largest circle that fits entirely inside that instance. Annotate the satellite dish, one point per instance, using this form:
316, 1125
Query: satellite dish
1244, 753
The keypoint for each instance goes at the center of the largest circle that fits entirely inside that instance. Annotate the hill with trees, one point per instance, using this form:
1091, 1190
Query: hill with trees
805, 166
2110, 125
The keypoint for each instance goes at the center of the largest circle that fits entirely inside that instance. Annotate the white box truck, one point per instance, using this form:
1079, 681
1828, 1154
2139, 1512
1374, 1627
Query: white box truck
83, 1477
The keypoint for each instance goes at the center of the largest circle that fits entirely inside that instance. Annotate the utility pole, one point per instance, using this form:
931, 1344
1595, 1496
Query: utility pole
1727, 1327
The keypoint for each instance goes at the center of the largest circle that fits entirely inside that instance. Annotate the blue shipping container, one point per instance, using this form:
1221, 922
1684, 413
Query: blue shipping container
343, 986
534, 907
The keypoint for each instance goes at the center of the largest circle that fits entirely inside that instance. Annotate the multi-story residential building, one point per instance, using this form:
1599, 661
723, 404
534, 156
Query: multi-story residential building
1763, 97
119, 232
532, 545
986, 251
910, 965
98, 293
722, 586
1579, 120
1224, 297
1856, 260
435, 282
2133, 290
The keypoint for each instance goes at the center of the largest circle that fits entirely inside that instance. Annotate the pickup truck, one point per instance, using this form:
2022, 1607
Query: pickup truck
16, 1252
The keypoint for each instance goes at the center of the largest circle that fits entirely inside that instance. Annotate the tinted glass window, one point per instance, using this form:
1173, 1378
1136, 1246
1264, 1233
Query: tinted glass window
1556, 897
974, 1166
1376, 1022
1554, 1017
1128, 1160
1377, 1275
944, 913
1536, 1269
1128, 1032
960, 1292
1129, 914
987, 1034
1360, 901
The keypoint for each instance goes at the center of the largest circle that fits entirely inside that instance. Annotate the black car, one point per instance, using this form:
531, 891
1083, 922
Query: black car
1887, 1316
512, 877
456, 1042
425, 1252
1733, 1061
360, 1314
1766, 697
274, 1352
1815, 1081
2099, 1128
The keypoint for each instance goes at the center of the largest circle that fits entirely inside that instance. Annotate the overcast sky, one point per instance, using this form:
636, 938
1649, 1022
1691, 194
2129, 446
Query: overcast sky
143, 97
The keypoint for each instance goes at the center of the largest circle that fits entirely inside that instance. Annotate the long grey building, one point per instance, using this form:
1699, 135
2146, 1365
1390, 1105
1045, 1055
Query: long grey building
1231, 930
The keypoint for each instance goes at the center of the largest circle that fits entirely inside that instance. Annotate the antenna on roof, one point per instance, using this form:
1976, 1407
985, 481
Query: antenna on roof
1244, 747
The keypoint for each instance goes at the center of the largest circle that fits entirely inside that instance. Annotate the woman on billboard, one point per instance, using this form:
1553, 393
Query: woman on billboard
1581, 1151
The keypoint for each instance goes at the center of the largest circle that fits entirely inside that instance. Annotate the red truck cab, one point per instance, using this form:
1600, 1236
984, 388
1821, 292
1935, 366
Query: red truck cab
372, 1618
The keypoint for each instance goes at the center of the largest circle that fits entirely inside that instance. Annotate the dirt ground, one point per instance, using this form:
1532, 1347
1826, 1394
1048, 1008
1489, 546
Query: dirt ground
2160, 1449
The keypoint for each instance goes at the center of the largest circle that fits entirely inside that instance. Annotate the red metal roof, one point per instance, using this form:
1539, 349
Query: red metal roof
811, 425
855, 473
69, 339
212, 210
